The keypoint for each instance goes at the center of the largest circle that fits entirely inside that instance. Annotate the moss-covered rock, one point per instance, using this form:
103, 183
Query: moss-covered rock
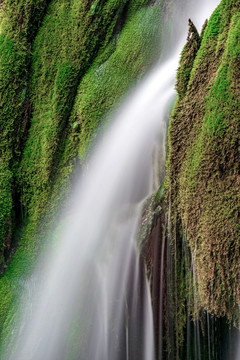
187, 59
19, 21
63, 66
203, 164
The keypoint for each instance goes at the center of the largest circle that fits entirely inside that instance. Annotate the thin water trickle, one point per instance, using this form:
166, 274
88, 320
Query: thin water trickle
238, 351
209, 337
161, 299
92, 299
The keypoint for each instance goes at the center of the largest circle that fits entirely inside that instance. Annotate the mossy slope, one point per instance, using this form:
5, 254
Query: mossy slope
203, 164
63, 66
19, 21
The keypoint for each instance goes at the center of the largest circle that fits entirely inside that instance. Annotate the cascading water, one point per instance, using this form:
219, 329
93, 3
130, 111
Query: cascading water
92, 299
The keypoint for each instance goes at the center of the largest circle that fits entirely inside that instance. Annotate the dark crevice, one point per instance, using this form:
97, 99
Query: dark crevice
17, 219
27, 111
209, 337
121, 19
22, 125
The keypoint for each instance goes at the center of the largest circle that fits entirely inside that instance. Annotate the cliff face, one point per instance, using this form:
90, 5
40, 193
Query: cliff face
203, 162
63, 65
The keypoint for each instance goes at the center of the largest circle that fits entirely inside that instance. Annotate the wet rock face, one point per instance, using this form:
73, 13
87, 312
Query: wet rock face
203, 188
204, 158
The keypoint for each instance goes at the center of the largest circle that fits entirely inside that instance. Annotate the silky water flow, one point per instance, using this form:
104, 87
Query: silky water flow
90, 299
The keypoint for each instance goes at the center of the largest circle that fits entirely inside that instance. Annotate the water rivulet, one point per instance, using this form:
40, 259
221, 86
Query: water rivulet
90, 298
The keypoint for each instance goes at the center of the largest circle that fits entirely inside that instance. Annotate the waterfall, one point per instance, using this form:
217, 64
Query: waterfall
92, 299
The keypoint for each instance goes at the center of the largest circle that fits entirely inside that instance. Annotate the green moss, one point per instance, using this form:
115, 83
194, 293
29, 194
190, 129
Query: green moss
18, 25
220, 199
63, 50
111, 78
203, 163
55, 63
117, 67
187, 59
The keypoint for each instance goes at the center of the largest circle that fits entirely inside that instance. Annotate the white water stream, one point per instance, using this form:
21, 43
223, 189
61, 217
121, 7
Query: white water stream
92, 300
